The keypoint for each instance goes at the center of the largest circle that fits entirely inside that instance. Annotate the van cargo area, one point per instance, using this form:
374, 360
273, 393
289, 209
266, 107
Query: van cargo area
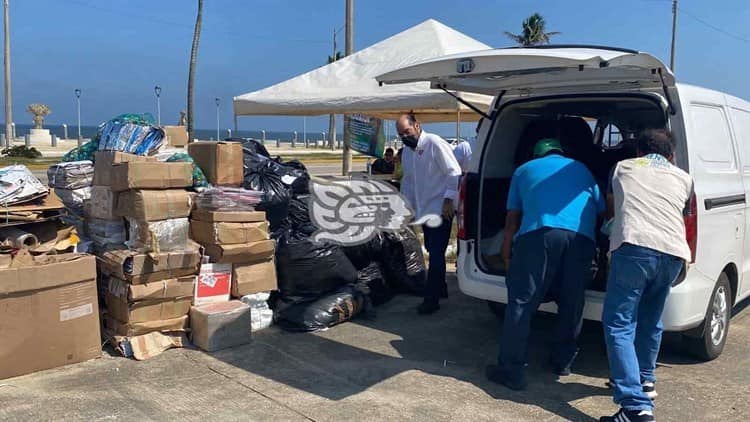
597, 130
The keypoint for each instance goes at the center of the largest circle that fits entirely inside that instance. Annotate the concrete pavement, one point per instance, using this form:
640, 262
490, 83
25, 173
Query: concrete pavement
398, 366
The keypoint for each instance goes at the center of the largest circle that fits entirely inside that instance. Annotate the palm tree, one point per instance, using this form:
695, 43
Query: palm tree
332, 117
533, 32
191, 73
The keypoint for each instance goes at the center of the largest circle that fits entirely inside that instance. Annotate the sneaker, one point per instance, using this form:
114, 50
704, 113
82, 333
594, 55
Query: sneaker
562, 371
495, 374
649, 388
427, 308
624, 415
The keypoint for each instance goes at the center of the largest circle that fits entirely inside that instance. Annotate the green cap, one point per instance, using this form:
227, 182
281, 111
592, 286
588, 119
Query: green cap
544, 146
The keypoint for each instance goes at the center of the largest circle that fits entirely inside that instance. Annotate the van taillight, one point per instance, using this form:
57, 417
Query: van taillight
460, 210
691, 227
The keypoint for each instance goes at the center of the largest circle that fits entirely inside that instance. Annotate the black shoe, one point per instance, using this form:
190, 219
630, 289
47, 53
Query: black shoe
624, 415
427, 308
649, 388
495, 374
562, 371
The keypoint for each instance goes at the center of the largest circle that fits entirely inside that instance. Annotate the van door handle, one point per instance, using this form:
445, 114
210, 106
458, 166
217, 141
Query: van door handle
739, 225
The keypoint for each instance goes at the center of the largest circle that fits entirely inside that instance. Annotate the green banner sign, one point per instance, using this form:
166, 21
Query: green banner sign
365, 135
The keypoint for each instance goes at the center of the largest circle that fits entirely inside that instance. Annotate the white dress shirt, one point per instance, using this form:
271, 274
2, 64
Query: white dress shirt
431, 175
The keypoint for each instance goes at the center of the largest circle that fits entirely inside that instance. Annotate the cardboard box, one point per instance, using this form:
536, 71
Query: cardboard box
149, 175
49, 315
130, 329
176, 136
243, 253
249, 279
229, 216
158, 236
102, 204
213, 284
147, 310
164, 289
104, 160
218, 326
221, 162
139, 268
223, 233
154, 205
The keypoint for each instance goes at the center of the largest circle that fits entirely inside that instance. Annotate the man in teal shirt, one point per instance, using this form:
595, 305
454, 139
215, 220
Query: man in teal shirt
553, 205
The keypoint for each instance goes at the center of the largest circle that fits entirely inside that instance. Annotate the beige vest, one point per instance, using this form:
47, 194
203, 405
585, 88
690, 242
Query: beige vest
650, 198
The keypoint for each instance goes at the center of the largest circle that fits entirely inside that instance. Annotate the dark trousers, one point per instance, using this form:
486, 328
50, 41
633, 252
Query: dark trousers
542, 261
436, 242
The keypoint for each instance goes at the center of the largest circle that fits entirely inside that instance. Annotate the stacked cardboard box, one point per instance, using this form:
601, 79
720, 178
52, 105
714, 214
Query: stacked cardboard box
148, 292
49, 315
221, 162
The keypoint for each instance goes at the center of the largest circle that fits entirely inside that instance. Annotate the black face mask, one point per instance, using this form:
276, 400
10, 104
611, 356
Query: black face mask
410, 141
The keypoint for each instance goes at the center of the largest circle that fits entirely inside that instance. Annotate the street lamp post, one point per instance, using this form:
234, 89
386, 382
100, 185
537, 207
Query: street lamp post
78, 102
157, 91
218, 102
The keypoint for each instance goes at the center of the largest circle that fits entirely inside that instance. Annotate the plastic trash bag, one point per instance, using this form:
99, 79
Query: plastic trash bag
327, 311
299, 215
252, 146
308, 270
366, 253
199, 179
84, 152
372, 277
403, 262
263, 177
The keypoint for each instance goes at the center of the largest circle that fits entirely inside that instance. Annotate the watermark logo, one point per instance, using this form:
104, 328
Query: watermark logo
351, 212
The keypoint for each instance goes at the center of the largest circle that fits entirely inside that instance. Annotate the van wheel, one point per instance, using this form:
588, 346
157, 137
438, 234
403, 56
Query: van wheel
710, 341
496, 308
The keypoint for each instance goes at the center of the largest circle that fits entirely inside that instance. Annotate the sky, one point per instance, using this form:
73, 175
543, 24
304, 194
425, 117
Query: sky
117, 51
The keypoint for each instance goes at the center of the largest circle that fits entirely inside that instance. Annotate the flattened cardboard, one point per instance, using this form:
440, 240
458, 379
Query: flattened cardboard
243, 253
249, 279
103, 161
102, 204
49, 319
150, 175
139, 268
229, 216
213, 284
47, 271
164, 289
221, 162
130, 329
224, 233
221, 325
176, 136
154, 205
147, 310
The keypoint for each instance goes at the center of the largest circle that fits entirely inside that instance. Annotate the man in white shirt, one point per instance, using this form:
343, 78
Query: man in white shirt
430, 185
462, 152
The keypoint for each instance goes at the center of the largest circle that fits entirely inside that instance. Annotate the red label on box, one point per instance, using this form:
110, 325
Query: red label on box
213, 284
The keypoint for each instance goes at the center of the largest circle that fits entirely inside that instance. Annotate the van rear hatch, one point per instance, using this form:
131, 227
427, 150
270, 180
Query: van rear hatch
529, 70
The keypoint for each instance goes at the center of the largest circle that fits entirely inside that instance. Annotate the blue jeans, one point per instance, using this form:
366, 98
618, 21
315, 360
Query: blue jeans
436, 242
637, 288
545, 260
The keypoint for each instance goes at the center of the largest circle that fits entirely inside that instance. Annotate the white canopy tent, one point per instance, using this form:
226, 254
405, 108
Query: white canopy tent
349, 85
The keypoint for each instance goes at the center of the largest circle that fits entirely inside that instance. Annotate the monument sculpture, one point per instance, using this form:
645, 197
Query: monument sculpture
183, 118
39, 134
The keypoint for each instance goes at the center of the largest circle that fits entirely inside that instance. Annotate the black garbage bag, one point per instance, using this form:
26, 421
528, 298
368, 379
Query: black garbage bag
252, 145
299, 215
366, 253
262, 176
372, 277
308, 270
403, 262
326, 311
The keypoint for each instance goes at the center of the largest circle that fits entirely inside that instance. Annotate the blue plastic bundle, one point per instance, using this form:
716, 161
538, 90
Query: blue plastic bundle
131, 133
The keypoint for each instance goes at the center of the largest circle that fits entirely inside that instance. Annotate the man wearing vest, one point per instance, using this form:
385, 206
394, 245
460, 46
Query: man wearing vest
648, 252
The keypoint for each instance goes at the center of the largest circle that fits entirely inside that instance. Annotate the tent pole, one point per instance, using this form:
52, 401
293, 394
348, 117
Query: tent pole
458, 122
235, 125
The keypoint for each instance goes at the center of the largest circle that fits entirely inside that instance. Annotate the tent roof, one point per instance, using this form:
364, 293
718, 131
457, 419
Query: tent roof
349, 85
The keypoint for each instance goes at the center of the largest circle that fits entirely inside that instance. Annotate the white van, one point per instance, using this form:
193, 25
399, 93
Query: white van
602, 97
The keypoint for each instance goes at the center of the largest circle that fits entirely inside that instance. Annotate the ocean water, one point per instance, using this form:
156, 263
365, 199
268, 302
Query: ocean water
205, 134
